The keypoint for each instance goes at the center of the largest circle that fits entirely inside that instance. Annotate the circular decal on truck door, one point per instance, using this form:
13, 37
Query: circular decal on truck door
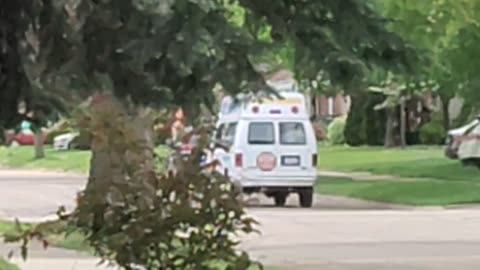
266, 161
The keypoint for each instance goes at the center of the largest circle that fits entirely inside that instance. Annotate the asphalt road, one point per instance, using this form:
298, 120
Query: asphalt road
337, 234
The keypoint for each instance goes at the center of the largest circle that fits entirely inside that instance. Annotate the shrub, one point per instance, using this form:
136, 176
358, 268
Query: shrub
365, 125
140, 219
320, 129
355, 128
374, 120
432, 133
336, 130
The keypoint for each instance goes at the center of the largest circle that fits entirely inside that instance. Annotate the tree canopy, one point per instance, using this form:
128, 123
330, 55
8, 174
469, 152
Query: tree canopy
446, 32
174, 52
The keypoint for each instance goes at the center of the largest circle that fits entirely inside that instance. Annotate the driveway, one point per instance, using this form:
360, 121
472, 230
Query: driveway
336, 234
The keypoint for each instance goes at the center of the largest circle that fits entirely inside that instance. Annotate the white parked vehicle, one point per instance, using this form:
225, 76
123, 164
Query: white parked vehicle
271, 145
456, 136
469, 148
64, 141
453, 139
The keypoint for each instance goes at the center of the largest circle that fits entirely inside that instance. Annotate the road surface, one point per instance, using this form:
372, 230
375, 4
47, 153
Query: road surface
337, 234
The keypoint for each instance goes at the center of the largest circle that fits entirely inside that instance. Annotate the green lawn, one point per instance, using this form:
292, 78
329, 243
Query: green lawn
22, 157
419, 193
9, 226
68, 161
73, 241
420, 162
444, 181
416, 162
457, 184
6, 226
4, 265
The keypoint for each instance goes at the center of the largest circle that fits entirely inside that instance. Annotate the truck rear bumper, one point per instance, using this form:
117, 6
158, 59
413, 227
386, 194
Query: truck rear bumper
250, 181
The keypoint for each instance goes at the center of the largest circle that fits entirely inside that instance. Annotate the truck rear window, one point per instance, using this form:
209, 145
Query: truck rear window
261, 133
292, 133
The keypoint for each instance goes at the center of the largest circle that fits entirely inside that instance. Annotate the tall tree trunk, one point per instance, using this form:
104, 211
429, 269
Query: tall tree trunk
446, 113
115, 159
192, 113
403, 124
2, 135
389, 138
38, 141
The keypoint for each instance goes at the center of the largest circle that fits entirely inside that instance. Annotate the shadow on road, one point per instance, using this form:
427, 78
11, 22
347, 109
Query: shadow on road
322, 202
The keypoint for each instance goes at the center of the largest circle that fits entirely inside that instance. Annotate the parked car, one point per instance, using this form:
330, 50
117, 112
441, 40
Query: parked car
469, 148
454, 138
464, 143
71, 140
24, 137
64, 141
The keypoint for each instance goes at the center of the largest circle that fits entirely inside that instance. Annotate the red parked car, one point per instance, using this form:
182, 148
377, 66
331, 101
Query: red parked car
22, 138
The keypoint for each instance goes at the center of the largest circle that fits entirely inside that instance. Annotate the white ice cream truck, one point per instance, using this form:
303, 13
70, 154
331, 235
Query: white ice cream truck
270, 144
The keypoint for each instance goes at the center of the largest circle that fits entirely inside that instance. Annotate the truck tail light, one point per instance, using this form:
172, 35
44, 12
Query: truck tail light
238, 160
314, 160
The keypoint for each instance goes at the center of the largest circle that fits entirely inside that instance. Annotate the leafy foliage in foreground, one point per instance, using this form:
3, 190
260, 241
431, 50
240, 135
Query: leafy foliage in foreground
133, 216
174, 52
136, 217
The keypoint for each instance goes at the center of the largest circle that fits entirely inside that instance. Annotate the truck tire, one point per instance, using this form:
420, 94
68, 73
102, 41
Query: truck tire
306, 197
280, 199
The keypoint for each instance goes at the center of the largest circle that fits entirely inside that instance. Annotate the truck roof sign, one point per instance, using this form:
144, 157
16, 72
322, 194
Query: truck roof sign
291, 104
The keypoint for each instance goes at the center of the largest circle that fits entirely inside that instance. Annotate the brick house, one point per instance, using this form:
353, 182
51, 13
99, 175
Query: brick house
328, 107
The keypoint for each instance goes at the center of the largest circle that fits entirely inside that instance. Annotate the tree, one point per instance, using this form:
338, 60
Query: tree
20, 69
446, 32
461, 51
148, 47
394, 98
12, 80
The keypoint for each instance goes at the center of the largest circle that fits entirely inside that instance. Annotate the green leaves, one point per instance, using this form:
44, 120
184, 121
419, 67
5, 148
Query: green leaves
162, 8
445, 32
134, 216
159, 52
206, 5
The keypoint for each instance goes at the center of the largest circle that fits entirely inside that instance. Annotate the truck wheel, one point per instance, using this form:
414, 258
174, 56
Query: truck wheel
306, 197
71, 146
280, 198
468, 162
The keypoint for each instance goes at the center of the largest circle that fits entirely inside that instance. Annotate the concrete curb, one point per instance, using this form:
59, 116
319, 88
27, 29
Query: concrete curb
39, 172
29, 219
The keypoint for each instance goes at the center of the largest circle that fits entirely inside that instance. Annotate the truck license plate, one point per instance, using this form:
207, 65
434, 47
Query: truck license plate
290, 160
